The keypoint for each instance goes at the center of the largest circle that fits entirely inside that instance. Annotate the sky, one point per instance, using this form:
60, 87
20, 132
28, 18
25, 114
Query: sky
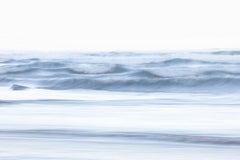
119, 25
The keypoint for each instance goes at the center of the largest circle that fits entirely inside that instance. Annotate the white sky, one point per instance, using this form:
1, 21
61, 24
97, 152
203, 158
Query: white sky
112, 25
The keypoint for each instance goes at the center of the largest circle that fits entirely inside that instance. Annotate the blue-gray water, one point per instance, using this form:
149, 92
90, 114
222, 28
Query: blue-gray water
110, 106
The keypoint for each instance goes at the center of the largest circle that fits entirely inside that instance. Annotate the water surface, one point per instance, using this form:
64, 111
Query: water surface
110, 106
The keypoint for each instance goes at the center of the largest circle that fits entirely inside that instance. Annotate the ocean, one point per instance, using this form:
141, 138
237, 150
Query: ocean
120, 106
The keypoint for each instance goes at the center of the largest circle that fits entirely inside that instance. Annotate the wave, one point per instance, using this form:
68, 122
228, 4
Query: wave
18, 71
226, 52
146, 74
97, 69
18, 87
134, 81
164, 84
161, 72
219, 73
61, 67
185, 61
140, 136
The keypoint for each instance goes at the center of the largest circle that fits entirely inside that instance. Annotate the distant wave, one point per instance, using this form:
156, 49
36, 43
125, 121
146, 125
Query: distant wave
139, 136
122, 72
141, 84
176, 61
226, 52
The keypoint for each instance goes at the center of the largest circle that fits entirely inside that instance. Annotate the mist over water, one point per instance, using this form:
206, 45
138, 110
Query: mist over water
97, 106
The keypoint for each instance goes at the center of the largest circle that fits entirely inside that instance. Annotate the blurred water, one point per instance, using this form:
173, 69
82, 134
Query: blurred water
173, 106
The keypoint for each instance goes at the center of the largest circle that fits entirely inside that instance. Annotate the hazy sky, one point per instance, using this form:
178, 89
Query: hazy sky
100, 25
